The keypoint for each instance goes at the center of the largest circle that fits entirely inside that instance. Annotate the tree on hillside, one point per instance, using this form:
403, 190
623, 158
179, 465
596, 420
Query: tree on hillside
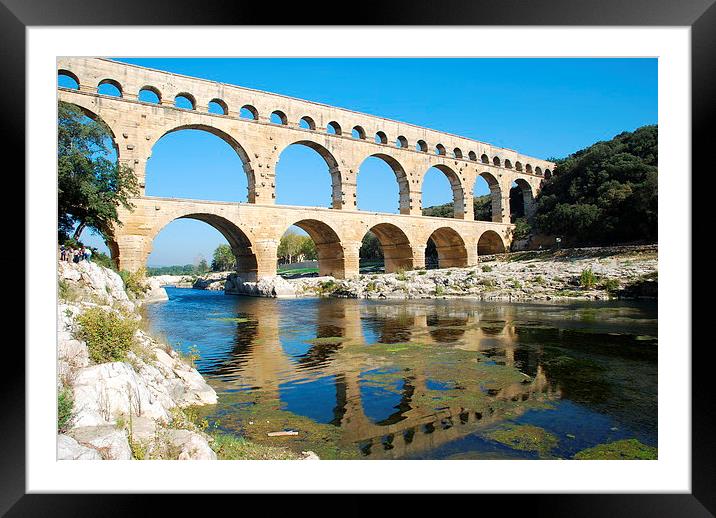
481, 208
223, 259
606, 193
91, 184
370, 248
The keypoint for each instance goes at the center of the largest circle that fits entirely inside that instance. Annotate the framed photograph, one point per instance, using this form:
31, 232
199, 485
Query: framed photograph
426, 243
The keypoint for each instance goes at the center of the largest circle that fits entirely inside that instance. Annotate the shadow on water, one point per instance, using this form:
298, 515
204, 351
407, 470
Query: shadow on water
422, 379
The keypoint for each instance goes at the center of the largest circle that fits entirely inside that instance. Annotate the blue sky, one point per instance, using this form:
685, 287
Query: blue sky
540, 107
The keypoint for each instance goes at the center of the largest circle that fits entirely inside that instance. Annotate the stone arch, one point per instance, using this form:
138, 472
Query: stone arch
333, 169
458, 194
508, 164
331, 258
440, 150
496, 161
113, 83
397, 250
485, 159
421, 145
358, 132
280, 117
71, 75
401, 142
188, 97
239, 240
96, 117
333, 125
518, 166
400, 176
381, 137
238, 148
527, 198
450, 248
308, 121
151, 89
528, 168
472, 156
490, 243
495, 194
538, 171
457, 152
249, 112
547, 174
221, 104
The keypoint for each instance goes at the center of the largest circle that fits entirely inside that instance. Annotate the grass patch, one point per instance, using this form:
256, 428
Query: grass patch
108, 336
229, 447
627, 449
65, 405
486, 268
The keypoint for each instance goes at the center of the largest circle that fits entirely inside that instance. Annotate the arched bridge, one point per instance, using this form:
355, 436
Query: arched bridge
259, 126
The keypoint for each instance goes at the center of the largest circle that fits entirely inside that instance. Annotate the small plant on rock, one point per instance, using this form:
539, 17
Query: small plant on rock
134, 282
587, 279
108, 336
486, 268
65, 405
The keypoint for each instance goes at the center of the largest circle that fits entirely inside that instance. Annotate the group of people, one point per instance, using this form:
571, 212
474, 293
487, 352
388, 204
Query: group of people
75, 255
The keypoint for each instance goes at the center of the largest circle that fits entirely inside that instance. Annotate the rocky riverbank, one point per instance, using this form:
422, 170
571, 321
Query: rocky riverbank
121, 393
587, 273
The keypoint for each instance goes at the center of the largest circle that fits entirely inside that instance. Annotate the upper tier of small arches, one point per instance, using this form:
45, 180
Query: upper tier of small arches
290, 116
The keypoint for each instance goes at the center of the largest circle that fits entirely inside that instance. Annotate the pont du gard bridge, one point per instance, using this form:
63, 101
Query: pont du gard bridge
259, 126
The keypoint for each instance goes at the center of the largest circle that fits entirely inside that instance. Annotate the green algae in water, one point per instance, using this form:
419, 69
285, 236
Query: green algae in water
626, 449
524, 437
328, 340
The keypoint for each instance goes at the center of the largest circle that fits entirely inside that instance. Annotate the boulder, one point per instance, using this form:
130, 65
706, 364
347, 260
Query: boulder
70, 449
102, 392
109, 440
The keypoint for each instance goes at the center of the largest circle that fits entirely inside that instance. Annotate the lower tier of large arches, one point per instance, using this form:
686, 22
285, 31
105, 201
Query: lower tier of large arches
254, 232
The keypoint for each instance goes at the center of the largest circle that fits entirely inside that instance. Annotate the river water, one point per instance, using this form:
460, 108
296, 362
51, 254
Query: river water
427, 379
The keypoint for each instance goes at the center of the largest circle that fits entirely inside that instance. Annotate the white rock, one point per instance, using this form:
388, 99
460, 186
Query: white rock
102, 392
69, 449
108, 439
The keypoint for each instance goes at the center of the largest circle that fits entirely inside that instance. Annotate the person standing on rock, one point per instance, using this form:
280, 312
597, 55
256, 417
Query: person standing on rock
87, 254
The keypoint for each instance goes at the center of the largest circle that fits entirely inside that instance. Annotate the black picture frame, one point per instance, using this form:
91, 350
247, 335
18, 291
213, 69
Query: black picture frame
700, 15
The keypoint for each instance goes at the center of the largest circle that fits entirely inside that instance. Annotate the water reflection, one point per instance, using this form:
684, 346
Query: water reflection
401, 379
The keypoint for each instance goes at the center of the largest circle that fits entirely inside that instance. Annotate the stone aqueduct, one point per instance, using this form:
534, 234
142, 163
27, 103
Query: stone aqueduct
343, 138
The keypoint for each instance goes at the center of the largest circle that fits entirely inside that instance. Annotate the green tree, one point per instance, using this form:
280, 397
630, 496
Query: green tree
91, 183
604, 194
308, 249
370, 248
290, 246
224, 259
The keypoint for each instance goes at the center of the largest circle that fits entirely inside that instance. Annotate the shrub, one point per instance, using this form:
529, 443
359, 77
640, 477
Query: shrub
439, 289
610, 285
587, 279
422, 272
108, 336
401, 276
539, 280
102, 259
486, 268
517, 285
134, 282
65, 404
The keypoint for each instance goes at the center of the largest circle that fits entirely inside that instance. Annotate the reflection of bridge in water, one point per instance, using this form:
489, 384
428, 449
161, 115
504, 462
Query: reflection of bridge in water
261, 362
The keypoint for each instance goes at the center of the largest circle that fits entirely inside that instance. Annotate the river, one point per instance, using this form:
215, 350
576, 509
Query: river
421, 379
